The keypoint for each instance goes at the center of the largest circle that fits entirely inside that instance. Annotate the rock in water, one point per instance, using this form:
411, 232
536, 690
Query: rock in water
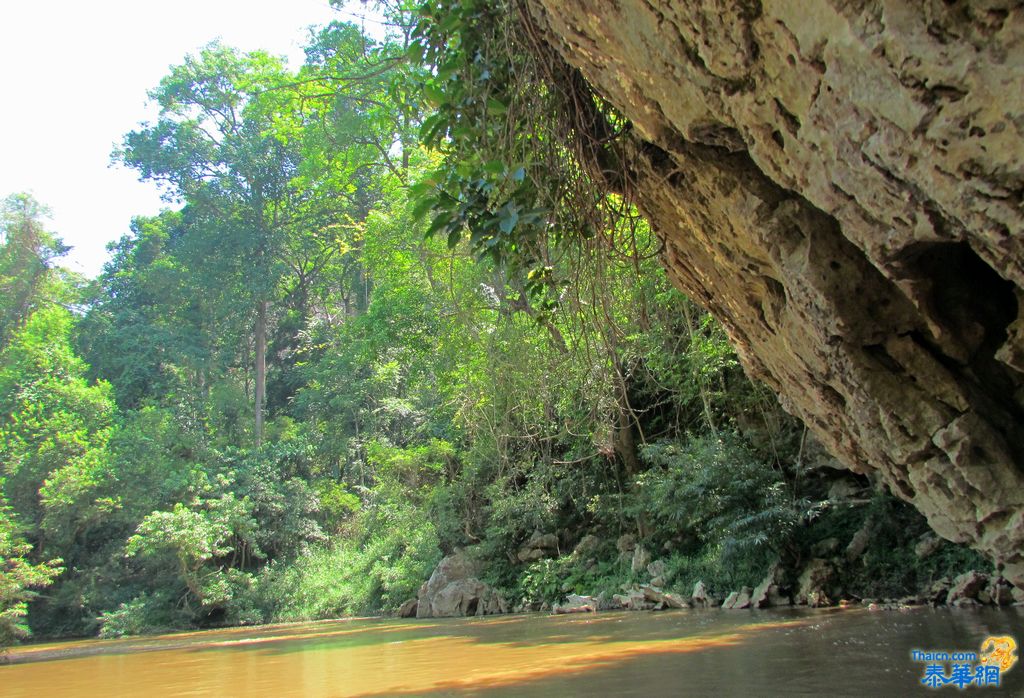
730, 600
575, 603
664, 599
770, 592
632, 600
408, 609
812, 582
850, 212
700, 597
453, 590
967, 586
742, 599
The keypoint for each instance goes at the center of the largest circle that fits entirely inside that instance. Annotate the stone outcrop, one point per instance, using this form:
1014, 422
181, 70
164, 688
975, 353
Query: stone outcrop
967, 587
841, 184
454, 590
738, 599
771, 591
700, 598
574, 603
812, 586
632, 600
661, 598
408, 609
641, 558
540, 545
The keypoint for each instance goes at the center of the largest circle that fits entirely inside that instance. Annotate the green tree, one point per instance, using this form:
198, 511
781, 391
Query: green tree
18, 578
215, 146
27, 253
54, 428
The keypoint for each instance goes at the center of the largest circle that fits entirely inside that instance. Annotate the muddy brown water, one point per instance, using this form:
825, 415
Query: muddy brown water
714, 653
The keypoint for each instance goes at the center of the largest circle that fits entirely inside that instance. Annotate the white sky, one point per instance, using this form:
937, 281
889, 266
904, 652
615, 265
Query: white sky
74, 77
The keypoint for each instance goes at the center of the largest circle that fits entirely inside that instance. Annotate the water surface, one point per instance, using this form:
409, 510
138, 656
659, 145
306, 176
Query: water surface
723, 653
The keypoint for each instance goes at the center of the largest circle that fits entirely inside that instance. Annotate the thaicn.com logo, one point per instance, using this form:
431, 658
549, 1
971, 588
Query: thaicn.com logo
985, 667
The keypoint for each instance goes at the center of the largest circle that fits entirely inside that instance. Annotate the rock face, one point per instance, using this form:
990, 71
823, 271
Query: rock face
841, 184
700, 597
771, 591
574, 603
738, 599
408, 609
454, 590
811, 587
540, 545
967, 586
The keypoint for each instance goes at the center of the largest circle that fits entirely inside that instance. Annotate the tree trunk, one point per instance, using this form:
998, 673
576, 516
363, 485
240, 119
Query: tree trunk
261, 367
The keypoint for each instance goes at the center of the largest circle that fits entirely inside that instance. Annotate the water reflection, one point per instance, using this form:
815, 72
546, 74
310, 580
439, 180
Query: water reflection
689, 652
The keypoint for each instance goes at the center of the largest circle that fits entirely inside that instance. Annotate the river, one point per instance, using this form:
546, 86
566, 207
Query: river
852, 652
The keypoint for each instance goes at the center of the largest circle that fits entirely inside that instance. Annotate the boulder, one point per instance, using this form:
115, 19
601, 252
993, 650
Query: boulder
633, 600
657, 569
575, 603
700, 597
454, 590
587, 547
530, 554
825, 547
730, 600
817, 598
665, 599
812, 582
539, 545
939, 591
408, 609
741, 599
544, 541
626, 543
770, 591
844, 488
859, 543
927, 545
641, 558
674, 600
966, 586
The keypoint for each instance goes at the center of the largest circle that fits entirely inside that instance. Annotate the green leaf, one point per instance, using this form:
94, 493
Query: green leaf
496, 107
423, 207
508, 219
415, 52
441, 221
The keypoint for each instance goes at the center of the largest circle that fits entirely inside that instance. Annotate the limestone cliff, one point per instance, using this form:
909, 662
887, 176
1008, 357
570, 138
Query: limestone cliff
841, 183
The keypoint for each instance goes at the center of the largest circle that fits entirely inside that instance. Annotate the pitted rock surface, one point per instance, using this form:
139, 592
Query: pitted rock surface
842, 184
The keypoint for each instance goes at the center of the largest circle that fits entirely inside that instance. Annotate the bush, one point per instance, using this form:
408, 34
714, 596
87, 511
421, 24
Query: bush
392, 549
18, 576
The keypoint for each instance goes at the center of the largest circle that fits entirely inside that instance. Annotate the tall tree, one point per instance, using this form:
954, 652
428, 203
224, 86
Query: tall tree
27, 252
216, 147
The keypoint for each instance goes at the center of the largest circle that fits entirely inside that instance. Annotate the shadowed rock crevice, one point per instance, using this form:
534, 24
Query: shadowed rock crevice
840, 184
